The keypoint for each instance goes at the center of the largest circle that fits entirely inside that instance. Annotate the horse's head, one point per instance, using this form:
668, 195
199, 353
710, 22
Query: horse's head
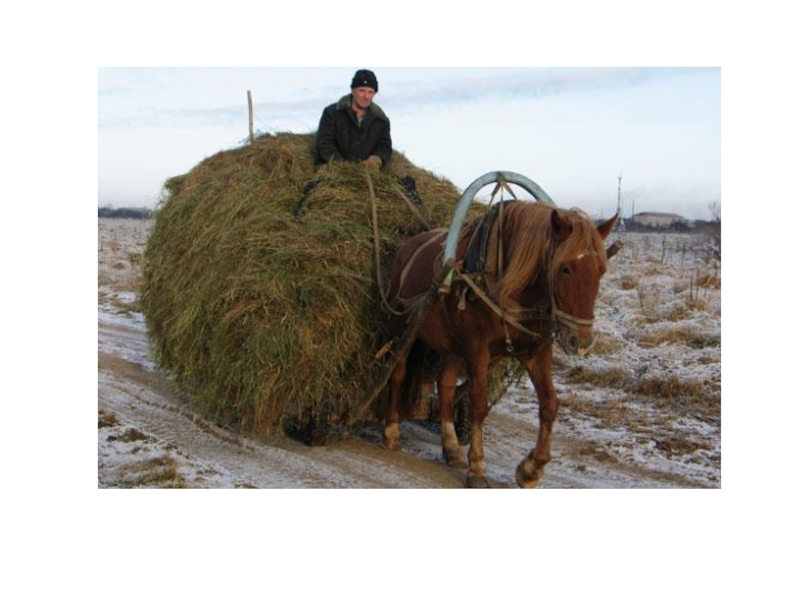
579, 261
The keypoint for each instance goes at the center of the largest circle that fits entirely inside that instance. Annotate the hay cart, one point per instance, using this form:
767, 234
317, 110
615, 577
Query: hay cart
268, 316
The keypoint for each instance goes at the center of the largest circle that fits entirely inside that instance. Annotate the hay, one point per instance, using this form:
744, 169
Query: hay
263, 314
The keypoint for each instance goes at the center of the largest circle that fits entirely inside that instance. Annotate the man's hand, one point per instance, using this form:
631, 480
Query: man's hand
373, 163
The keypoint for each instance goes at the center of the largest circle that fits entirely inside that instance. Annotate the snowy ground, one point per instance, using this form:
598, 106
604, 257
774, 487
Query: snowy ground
642, 411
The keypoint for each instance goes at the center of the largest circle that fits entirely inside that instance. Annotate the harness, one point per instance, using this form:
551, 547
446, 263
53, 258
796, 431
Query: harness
475, 256
546, 312
472, 271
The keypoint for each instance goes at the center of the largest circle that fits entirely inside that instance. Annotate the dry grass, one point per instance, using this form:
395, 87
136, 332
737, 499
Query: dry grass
709, 280
129, 435
605, 343
670, 387
610, 413
681, 285
106, 419
159, 472
615, 377
679, 445
682, 333
629, 282
701, 396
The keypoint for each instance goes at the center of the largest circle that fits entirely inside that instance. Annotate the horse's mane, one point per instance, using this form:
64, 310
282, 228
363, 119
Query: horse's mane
530, 245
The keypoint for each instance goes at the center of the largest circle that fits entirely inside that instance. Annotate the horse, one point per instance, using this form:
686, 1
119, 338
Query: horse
535, 281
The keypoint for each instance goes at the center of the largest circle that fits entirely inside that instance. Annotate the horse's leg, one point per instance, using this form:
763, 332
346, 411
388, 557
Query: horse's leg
478, 371
531, 469
391, 433
446, 385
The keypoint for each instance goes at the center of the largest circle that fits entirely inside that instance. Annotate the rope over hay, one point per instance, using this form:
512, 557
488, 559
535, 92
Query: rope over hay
266, 317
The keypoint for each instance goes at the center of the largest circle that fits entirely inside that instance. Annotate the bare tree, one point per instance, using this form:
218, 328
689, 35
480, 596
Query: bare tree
715, 208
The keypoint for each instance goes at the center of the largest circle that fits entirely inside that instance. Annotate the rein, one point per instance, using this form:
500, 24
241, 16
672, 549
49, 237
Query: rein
503, 313
376, 239
376, 243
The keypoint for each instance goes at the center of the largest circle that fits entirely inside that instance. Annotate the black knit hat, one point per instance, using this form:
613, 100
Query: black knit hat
364, 78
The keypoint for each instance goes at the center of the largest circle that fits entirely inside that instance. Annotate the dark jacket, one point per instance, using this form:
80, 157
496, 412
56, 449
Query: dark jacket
340, 138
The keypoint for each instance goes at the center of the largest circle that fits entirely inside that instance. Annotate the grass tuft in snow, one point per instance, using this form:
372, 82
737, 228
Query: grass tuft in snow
160, 472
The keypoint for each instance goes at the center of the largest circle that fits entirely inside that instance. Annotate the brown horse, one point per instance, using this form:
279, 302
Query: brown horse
539, 279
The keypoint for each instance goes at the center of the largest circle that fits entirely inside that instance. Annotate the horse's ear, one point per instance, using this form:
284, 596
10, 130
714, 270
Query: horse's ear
561, 228
608, 226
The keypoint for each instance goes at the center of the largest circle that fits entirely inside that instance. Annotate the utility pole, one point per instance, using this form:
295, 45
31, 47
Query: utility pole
619, 194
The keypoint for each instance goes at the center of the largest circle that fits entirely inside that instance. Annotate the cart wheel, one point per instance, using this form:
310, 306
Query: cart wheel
311, 426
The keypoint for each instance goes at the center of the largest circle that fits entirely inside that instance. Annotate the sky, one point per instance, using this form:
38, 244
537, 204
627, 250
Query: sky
573, 130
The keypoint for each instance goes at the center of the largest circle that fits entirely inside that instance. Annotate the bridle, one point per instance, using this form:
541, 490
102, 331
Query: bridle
571, 321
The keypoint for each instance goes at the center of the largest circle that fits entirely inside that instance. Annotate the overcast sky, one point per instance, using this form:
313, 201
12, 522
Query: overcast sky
573, 131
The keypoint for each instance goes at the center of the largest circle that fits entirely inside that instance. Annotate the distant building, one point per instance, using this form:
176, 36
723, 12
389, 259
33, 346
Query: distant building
659, 220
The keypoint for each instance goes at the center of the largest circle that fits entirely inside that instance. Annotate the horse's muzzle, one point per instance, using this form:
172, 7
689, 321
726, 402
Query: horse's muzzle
573, 334
573, 343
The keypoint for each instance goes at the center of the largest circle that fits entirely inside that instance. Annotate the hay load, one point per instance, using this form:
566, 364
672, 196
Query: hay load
268, 317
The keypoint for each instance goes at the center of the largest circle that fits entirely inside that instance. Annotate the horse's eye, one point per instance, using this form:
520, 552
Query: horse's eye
565, 270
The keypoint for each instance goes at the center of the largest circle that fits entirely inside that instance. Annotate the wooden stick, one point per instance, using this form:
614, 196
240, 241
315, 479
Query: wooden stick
400, 348
250, 111
614, 248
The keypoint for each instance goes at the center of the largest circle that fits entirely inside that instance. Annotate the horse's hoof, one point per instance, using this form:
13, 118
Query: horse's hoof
391, 437
477, 482
454, 458
392, 445
527, 476
527, 485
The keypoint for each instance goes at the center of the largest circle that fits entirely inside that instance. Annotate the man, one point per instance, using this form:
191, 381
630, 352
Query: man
355, 128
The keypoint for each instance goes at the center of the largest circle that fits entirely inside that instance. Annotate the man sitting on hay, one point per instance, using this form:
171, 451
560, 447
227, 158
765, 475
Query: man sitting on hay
356, 129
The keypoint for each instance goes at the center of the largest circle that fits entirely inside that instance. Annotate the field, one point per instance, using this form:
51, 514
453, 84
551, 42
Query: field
642, 410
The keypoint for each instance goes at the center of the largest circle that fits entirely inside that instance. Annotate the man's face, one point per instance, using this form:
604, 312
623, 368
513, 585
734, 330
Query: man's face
362, 97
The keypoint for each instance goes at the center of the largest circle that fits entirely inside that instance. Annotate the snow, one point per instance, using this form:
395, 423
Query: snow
642, 411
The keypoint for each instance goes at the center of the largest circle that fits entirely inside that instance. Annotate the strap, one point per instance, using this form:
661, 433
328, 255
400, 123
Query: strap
376, 238
412, 206
503, 314
572, 321
475, 256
